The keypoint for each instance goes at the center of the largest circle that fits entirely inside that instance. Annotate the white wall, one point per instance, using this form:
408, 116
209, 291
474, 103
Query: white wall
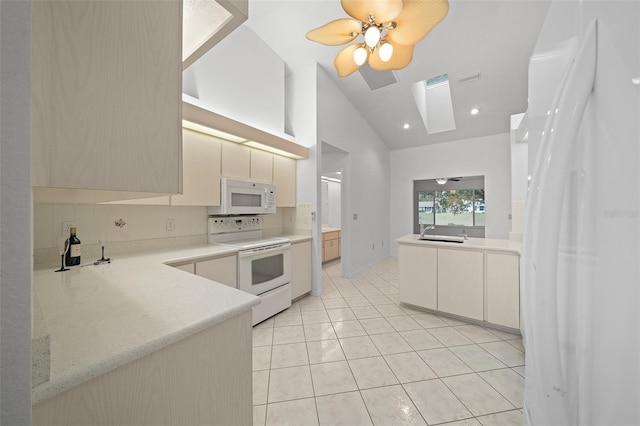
366, 178
488, 156
15, 213
331, 204
241, 78
335, 208
301, 117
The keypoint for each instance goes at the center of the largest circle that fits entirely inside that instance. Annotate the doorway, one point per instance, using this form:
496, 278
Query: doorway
332, 176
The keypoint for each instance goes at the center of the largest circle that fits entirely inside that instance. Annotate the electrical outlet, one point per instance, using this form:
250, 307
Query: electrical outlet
355, 216
171, 224
66, 226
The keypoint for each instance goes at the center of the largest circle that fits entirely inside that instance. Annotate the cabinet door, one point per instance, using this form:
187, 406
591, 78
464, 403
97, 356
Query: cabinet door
187, 267
261, 166
300, 269
461, 282
236, 161
222, 270
201, 170
284, 178
418, 267
503, 289
106, 96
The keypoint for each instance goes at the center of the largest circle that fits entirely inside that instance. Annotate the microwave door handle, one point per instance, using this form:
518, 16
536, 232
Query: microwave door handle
253, 252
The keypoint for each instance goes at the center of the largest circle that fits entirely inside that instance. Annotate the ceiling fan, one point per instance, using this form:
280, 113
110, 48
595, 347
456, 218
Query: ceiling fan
391, 28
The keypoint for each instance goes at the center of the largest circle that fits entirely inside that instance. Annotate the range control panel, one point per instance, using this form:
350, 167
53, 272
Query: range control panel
226, 224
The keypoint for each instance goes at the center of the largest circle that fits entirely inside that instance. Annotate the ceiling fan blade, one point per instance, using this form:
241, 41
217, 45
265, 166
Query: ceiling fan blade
417, 19
344, 63
384, 11
336, 32
401, 57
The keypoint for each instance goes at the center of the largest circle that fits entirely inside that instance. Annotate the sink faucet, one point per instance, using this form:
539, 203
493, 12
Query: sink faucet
425, 228
464, 234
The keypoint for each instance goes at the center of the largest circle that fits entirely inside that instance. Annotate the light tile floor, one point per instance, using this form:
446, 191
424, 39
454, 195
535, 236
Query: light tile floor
354, 356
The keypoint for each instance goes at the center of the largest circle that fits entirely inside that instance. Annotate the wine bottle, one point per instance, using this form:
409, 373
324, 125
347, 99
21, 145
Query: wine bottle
72, 257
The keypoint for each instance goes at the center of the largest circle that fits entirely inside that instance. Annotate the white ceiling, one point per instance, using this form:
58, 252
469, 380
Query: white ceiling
495, 38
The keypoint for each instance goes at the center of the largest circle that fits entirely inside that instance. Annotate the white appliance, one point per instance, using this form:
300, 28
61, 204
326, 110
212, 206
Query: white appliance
244, 197
581, 244
264, 263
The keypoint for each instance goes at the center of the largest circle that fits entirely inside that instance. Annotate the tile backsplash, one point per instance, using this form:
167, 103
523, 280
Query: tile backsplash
130, 228
122, 226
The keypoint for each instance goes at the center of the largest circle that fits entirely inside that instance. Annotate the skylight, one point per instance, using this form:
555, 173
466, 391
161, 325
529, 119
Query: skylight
433, 98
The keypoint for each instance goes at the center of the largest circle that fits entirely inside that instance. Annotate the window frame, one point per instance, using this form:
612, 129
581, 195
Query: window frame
430, 185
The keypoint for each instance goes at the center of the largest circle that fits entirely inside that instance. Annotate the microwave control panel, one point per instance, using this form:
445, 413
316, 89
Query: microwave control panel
220, 225
271, 199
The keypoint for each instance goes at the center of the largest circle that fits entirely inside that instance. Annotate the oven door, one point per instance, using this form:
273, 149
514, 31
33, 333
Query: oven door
264, 268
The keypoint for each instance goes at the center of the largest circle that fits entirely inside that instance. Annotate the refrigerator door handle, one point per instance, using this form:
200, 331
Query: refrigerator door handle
541, 236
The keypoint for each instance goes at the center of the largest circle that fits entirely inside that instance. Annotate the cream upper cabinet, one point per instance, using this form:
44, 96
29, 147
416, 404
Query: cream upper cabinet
300, 269
503, 289
261, 166
236, 161
418, 267
284, 178
201, 170
106, 96
461, 282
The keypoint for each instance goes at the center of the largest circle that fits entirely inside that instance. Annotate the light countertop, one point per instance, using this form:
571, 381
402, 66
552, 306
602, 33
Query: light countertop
327, 229
298, 238
101, 317
492, 244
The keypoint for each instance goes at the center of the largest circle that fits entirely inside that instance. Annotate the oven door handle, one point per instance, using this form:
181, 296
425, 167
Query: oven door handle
271, 249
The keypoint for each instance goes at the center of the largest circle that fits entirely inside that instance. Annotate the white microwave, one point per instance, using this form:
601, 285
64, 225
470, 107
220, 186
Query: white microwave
243, 197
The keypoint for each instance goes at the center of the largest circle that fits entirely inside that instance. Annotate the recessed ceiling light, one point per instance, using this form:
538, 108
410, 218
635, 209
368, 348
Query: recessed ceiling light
405, 126
474, 111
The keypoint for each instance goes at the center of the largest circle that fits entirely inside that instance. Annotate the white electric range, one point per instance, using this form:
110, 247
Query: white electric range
264, 263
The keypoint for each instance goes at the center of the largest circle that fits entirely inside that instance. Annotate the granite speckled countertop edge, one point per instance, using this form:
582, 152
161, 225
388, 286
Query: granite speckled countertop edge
238, 302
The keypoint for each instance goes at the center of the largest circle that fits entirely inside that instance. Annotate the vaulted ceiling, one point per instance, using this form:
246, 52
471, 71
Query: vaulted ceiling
492, 38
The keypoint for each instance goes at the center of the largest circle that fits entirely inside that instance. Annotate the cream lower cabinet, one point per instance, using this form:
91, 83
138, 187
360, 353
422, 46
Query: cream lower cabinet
418, 276
300, 269
203, 379
503, 289
461, 283
222, 270
201, 157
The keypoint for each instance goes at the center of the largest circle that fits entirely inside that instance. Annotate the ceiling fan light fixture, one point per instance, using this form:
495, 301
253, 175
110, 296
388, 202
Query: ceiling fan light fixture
360, 56
391, 28
372, 36
385, 52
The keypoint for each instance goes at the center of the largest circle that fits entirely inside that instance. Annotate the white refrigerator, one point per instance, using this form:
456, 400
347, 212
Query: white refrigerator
580, 286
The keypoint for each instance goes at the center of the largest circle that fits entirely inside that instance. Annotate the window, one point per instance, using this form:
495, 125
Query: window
459, 203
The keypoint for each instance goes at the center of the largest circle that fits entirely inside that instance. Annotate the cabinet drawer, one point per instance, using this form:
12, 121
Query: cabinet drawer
332, 235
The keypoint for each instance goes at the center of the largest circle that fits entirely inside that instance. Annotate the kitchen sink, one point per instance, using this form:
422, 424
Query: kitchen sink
443, 238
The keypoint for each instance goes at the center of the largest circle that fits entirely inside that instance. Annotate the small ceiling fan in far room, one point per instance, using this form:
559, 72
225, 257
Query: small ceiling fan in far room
391, 28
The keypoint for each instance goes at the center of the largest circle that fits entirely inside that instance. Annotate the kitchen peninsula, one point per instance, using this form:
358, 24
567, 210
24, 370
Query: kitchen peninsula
476, 280
137, 341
